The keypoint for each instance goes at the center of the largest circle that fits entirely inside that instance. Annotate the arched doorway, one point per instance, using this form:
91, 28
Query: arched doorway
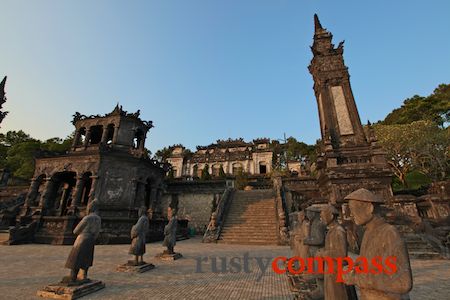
237, 168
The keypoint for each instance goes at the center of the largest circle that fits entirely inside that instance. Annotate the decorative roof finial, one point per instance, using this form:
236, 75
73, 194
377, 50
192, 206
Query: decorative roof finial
2, 99
2, 84
317, 25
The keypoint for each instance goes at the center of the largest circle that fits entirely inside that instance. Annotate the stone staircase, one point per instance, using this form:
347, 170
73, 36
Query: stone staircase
418, 248
251, 219
4, 236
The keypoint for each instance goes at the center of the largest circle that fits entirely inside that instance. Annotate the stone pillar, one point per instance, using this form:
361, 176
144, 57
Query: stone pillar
142, 142
77, 192
63, 200
32, 192
76, 138
88, 137
116, 134
153, 197
92, 193
104, 135
48, 185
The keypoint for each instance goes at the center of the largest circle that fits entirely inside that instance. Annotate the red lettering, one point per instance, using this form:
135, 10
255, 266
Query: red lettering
340, 267
362, 265
291, 265
275, 265
391, 263
377, 262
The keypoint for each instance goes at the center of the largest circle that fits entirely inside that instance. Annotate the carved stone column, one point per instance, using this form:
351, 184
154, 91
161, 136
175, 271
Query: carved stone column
63, 200
153, 196
77, 192
48, 185
116, 134
142, 142
92, 193
104, 135
76, 138
32, 192
88, 137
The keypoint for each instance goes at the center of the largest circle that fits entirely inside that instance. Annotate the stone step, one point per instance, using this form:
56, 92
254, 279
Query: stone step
424, 255
247, 230
250, 227
250, 224
253, 218
251, 207
245, 237
252, 211
249, 242
4, 235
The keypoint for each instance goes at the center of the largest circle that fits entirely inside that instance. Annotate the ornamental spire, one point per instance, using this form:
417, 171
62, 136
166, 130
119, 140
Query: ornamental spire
317, 26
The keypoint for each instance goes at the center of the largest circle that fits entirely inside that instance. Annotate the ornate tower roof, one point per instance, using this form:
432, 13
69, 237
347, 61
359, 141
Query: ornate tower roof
118, 130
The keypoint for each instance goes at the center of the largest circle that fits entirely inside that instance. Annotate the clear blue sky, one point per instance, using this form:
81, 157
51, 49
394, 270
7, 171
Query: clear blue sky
207, 70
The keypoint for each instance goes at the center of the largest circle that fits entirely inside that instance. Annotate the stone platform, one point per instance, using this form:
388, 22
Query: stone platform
69, 292
169, 256
24, 269
132, 268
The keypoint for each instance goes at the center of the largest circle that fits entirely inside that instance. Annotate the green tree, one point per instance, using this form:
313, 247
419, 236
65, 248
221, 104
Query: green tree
20, 158
435, 108
222, 172
205, 173
421, 146
292, 150
163, 154
12, 138
58, 145
241, 180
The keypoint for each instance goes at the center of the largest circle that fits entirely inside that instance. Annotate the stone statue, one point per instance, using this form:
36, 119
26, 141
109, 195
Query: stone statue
138, 233
335, 246
315, 241
380, 239
301, 232
82, 254
170, 231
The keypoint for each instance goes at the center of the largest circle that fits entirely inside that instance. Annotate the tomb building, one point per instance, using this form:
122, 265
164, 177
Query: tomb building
107, 161
232, 156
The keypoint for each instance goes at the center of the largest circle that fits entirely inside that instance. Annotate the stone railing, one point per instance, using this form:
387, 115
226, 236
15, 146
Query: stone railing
282, 216
217, 217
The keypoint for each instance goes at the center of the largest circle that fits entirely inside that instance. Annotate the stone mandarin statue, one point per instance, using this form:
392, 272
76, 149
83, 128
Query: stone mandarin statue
138, 234
170, 231
315, 241
380, 239
335, 246
301, 232
82, 254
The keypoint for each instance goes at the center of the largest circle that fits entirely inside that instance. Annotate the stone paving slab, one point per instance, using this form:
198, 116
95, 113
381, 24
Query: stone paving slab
24, 269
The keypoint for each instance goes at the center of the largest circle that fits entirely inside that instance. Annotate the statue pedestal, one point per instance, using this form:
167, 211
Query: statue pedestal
131, 267
300, 284
169, 256
71, 290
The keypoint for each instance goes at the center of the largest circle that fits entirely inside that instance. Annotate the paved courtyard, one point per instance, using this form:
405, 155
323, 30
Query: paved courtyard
26, 268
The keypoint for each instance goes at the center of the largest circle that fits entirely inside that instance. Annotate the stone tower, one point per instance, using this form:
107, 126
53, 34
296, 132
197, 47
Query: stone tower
350, 157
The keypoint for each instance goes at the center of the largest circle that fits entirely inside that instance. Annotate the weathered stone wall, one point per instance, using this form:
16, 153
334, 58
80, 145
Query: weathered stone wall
194, 207
9, 194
